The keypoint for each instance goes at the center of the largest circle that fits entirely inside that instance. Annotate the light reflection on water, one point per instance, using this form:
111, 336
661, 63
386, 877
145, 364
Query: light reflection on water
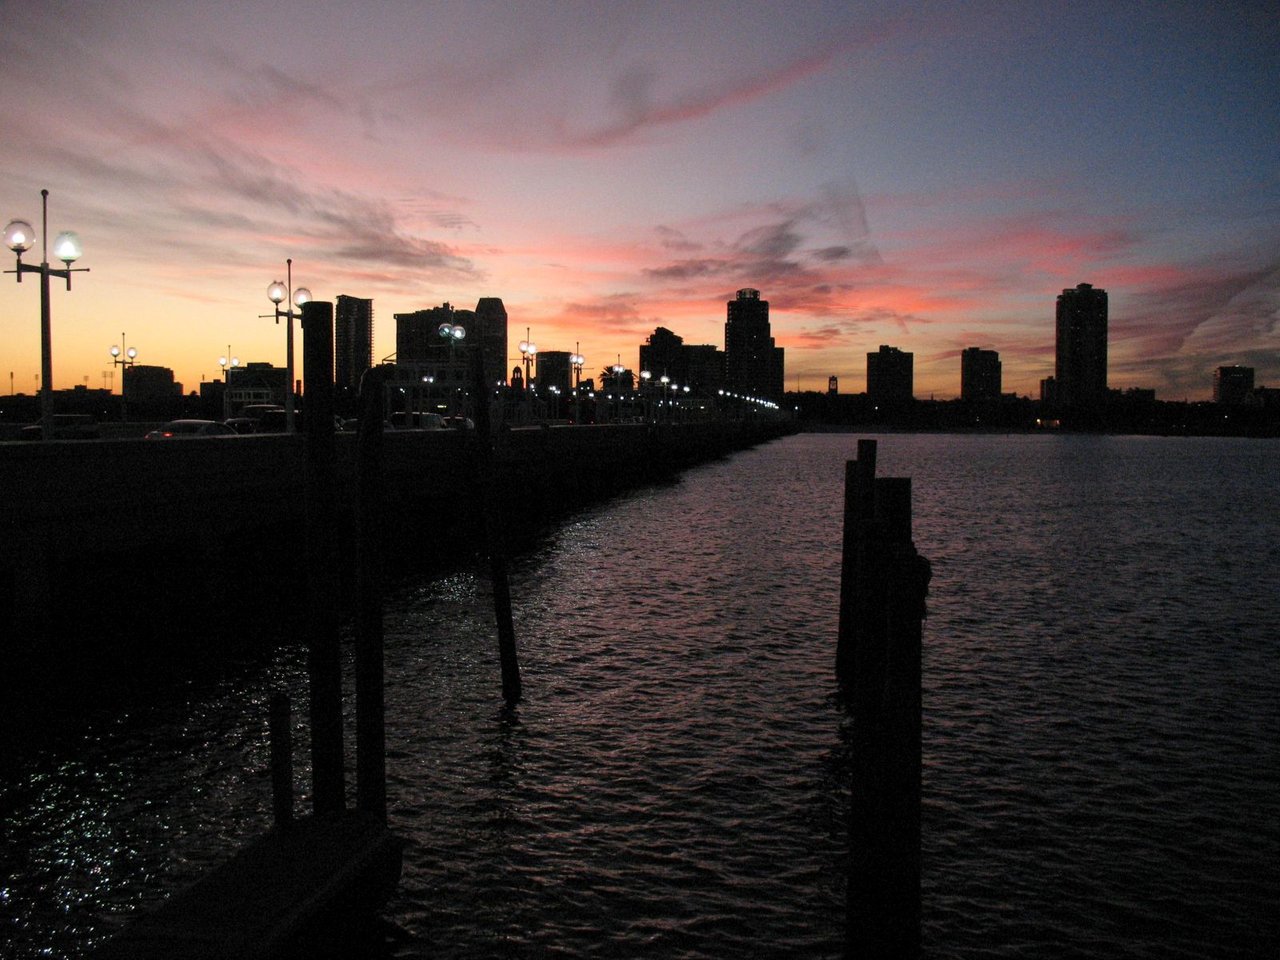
1101, 768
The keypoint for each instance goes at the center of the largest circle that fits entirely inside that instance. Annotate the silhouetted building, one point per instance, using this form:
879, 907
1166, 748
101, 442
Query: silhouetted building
979, 374
833, 384
1049, 392
143, 383
554, 369
661, 354
352, 341
491, 318
753, 365
1232, 384
1080, 367
700, 367
890, 378
422, 352
255, 383
703, 369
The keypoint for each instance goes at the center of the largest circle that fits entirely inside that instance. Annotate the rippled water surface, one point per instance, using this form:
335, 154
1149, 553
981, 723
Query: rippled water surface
1102, 720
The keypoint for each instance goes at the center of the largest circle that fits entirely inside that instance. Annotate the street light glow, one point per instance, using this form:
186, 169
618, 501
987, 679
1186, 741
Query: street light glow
19, 236
67, 247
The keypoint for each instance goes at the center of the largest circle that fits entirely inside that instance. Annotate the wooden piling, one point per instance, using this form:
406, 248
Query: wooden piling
371, 768
325, 667
859, 500
495, 547
883, 585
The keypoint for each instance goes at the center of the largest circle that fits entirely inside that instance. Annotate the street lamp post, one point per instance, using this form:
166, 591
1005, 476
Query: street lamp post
528, 350
19, 237
454, 333
646, 401
228, 363
278, 293
124, 360
617, 369
577, 360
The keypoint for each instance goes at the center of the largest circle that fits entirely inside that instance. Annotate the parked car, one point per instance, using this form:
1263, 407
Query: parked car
66, 426
242, 424
414, 420
184, 429
460, 423
277, 421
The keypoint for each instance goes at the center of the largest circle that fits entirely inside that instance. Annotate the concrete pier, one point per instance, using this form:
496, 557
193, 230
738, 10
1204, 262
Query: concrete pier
123, 536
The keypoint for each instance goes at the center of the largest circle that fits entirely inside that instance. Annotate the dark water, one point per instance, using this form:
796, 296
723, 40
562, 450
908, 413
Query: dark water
1102, 725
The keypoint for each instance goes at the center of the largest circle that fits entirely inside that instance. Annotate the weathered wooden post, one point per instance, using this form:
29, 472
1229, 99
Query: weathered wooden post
882, 613
325, 666
483, 460
859, 500
371, 742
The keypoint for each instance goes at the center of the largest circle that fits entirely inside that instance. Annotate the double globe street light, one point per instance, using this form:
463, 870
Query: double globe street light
228, 363
528, 350
279, 293
19, 236
124, 359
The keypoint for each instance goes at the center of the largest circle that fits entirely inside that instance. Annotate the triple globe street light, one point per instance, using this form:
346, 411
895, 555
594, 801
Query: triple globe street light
19, 236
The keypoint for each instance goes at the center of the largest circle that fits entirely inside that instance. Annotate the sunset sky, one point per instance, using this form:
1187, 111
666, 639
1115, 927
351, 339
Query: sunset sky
928, 176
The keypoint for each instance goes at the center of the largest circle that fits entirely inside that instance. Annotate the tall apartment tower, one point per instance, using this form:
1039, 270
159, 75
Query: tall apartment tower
1232, 384
352, 341
1080, 367
890, 378
979, 374
491, 318
753, 365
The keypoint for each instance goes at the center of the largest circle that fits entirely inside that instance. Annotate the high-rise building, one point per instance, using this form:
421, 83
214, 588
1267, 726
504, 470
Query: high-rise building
1080, 368
979, 374
703, 369
753, 365
890, 378
833, 385
1232, 384
661, 354
700, 367
491, 319
554, 369
352, 341
447, 360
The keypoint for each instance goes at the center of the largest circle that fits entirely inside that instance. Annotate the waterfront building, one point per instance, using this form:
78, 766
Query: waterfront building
700, 367
491, 332
753, 365
143, 382
1232, 385
703, 369
979, 374
661, 354
890, 378
1080, 365
352, 341
554, 369
255, 383
423, 352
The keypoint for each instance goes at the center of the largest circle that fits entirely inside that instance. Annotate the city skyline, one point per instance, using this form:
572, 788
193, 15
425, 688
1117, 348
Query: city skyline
926, 179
